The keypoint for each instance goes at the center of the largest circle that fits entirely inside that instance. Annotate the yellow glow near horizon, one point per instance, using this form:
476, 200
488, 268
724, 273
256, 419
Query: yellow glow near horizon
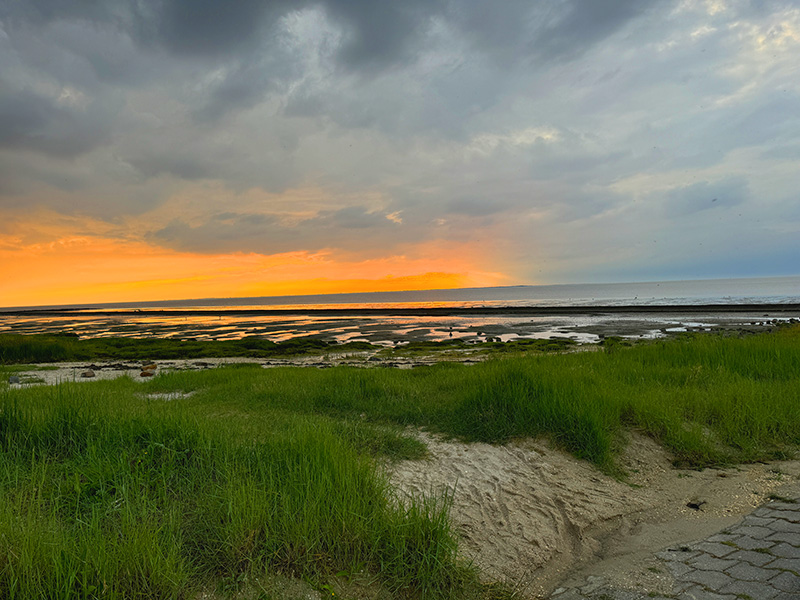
80, 269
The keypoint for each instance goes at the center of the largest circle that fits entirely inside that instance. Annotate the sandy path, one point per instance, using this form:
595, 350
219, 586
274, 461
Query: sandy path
535, 517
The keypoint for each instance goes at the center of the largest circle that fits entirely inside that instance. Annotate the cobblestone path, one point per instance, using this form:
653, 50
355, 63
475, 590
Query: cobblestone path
758, 559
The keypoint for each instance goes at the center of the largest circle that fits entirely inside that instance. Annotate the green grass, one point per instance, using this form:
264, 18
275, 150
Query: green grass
709, 399
417, 348
257, 471
106, 494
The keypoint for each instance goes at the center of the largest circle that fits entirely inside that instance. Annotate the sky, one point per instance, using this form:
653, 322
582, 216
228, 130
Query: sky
162, 149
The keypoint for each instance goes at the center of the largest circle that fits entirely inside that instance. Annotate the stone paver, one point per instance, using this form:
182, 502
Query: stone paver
715, 549
745, 542
787, 582
753, 589
746, 572
785, 536
757, 559
754, 557
704, 562
786, 564
785, 551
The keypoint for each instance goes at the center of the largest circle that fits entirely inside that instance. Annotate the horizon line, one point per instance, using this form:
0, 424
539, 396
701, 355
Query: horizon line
240, 299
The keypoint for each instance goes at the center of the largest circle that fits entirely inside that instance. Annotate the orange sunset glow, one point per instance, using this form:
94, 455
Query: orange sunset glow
75, 270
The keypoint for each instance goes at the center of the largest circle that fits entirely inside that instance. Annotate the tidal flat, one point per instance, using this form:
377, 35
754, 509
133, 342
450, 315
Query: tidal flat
399, 325
250, 482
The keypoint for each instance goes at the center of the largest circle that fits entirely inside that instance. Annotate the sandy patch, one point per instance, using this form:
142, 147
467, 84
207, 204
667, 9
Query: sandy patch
535, 517
169, 396
54, 373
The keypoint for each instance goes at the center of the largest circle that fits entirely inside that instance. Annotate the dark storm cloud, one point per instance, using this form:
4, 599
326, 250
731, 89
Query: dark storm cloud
243, 40
242, 88
223, 232
383, 31
346, 228
182, 167
46, 11
248, 79
209, 27
559, 29
583, 23
29, 121
187, 27
87, 54
380, 33
377, 34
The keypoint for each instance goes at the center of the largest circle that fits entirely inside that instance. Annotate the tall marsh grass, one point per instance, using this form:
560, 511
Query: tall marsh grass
98, 499
15, 348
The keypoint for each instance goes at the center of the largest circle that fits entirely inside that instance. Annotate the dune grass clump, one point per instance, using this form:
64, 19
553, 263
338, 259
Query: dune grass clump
516, 399
102, 497
35, 348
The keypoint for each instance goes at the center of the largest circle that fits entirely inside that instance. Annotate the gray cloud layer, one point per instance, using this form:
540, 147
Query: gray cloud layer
544, 124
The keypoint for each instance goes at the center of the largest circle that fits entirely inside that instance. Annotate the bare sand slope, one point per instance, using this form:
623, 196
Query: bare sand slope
535, 517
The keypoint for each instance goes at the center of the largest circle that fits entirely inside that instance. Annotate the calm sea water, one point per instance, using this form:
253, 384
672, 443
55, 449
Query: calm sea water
710, 291
134, 320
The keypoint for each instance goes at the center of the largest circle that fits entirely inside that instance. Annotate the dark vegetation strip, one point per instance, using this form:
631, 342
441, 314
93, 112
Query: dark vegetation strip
17, 349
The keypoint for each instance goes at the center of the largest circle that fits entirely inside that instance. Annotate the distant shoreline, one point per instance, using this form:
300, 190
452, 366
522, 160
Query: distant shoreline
532, 311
